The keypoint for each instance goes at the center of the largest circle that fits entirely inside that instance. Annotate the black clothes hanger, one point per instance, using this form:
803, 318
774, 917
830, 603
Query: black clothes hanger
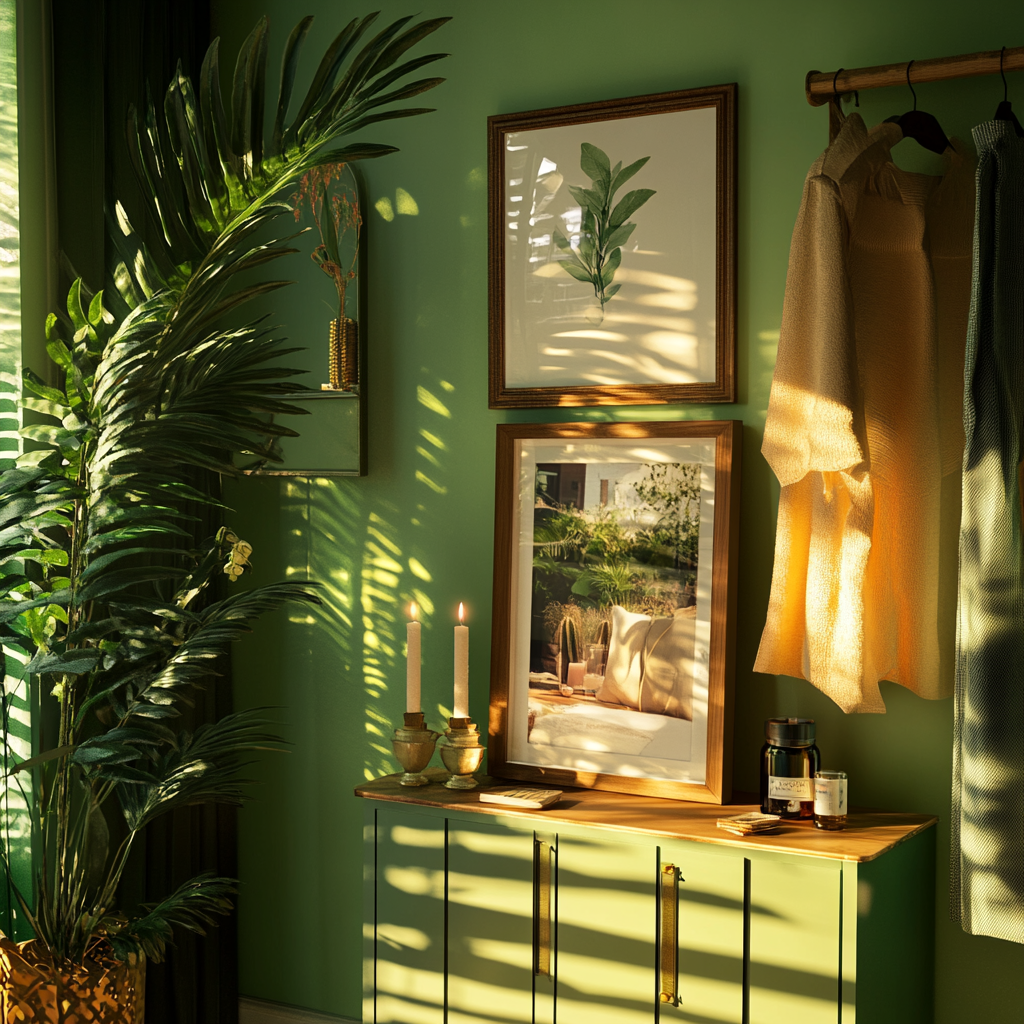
921, 127
1004, 112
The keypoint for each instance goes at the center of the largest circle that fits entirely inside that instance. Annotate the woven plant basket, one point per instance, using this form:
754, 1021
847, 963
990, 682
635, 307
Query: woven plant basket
101, 990
343, 364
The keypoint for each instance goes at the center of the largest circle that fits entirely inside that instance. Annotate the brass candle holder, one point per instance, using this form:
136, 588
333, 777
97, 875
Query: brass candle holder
414, 747
462, 754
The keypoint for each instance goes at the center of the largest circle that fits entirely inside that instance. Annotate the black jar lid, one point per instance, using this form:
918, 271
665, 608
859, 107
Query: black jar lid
790, 732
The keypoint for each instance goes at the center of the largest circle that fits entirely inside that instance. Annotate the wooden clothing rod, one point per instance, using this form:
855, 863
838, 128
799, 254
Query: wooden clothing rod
821, 86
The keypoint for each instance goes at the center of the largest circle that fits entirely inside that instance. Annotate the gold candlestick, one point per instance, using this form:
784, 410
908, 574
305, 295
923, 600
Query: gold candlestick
462, 754
414, 747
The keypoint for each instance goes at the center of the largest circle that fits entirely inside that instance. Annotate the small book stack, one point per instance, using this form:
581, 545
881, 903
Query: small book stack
532, 799
750, 824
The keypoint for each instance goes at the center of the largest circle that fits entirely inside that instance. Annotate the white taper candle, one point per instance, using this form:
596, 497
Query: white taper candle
412, 662
461, 709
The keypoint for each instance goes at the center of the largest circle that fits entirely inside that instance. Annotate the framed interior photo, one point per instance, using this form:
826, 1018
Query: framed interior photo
614, 597
612, 251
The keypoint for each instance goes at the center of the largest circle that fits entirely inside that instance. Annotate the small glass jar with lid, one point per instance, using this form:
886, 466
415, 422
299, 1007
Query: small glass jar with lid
830, 800
789, 761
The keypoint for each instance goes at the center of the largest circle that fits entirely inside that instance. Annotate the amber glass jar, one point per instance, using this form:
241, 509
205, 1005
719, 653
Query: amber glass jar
789, 760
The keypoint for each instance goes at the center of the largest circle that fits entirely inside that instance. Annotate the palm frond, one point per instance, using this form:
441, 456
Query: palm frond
194, 906
200, 767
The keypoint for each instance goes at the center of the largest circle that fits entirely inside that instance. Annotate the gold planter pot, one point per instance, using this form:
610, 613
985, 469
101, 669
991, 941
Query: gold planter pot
344, 354
101, 990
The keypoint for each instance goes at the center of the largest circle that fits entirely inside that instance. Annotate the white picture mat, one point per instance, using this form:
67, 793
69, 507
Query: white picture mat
661, 326
678, 751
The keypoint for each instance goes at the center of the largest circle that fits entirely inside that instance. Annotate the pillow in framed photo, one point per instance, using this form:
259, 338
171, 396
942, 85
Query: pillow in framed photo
650, 663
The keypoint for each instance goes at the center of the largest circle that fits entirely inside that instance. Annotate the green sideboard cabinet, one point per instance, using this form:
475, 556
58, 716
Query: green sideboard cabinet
610, 909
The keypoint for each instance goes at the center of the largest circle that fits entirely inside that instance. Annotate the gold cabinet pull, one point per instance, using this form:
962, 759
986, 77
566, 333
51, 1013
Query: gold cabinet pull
542, 907
669, 958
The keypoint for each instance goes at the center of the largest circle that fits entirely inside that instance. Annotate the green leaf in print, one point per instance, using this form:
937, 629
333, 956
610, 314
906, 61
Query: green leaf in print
603, 226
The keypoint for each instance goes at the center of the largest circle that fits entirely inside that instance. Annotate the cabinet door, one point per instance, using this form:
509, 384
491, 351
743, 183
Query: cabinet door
409, 917
702, 909
606, 911
490, 924
794, 939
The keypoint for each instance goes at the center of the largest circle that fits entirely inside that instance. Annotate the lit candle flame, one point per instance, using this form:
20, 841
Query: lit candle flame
412, 610
462, 613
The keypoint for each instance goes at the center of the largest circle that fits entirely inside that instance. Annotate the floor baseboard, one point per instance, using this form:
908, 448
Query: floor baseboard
259, 1011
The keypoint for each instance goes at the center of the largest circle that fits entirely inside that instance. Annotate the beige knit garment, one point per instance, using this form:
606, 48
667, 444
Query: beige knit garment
864, 427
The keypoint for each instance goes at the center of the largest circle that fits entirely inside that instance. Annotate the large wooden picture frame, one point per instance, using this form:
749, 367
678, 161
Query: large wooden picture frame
612, 245
614, 606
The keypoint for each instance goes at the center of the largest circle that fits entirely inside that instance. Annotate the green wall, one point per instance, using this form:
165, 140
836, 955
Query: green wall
422, 520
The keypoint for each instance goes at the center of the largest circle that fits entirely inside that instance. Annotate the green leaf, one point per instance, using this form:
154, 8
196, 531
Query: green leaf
29, 506
404, 42
18, 479
194, 906
95, 754
75, 662
587, 248
45, 556
57, 350
114, 582
35, 762
46, 408
609, 292
98, 315
329, 64
610, 266
619, 237
122, 773
34, 383
101, 562
595, 164
621, 177
587, 199
574, 270
629, 204
561, 241
75, 311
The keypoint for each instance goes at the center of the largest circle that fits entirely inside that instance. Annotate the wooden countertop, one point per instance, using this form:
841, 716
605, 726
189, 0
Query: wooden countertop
868, 834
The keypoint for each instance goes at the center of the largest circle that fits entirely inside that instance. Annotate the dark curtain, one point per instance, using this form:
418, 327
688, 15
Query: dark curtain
106, 54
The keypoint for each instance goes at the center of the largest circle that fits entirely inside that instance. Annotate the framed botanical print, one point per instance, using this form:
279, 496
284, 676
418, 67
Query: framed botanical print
614, 596
612, 235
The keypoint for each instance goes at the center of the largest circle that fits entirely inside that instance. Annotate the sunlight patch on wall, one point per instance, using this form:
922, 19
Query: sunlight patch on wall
432, 402
405, 204
432, 484
418, 570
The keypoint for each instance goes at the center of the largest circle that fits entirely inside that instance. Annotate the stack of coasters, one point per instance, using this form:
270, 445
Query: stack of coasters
751, 823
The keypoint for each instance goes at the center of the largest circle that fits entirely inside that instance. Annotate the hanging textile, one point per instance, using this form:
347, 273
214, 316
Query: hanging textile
987, 848
859, 430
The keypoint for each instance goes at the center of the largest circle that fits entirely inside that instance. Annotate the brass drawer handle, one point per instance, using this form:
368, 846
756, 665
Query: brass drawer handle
669, 934
542, 907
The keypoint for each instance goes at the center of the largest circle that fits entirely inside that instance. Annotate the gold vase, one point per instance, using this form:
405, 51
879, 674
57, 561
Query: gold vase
100, 990
344, 354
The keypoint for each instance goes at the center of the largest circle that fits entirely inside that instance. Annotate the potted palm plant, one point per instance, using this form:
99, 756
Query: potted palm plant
106, 591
